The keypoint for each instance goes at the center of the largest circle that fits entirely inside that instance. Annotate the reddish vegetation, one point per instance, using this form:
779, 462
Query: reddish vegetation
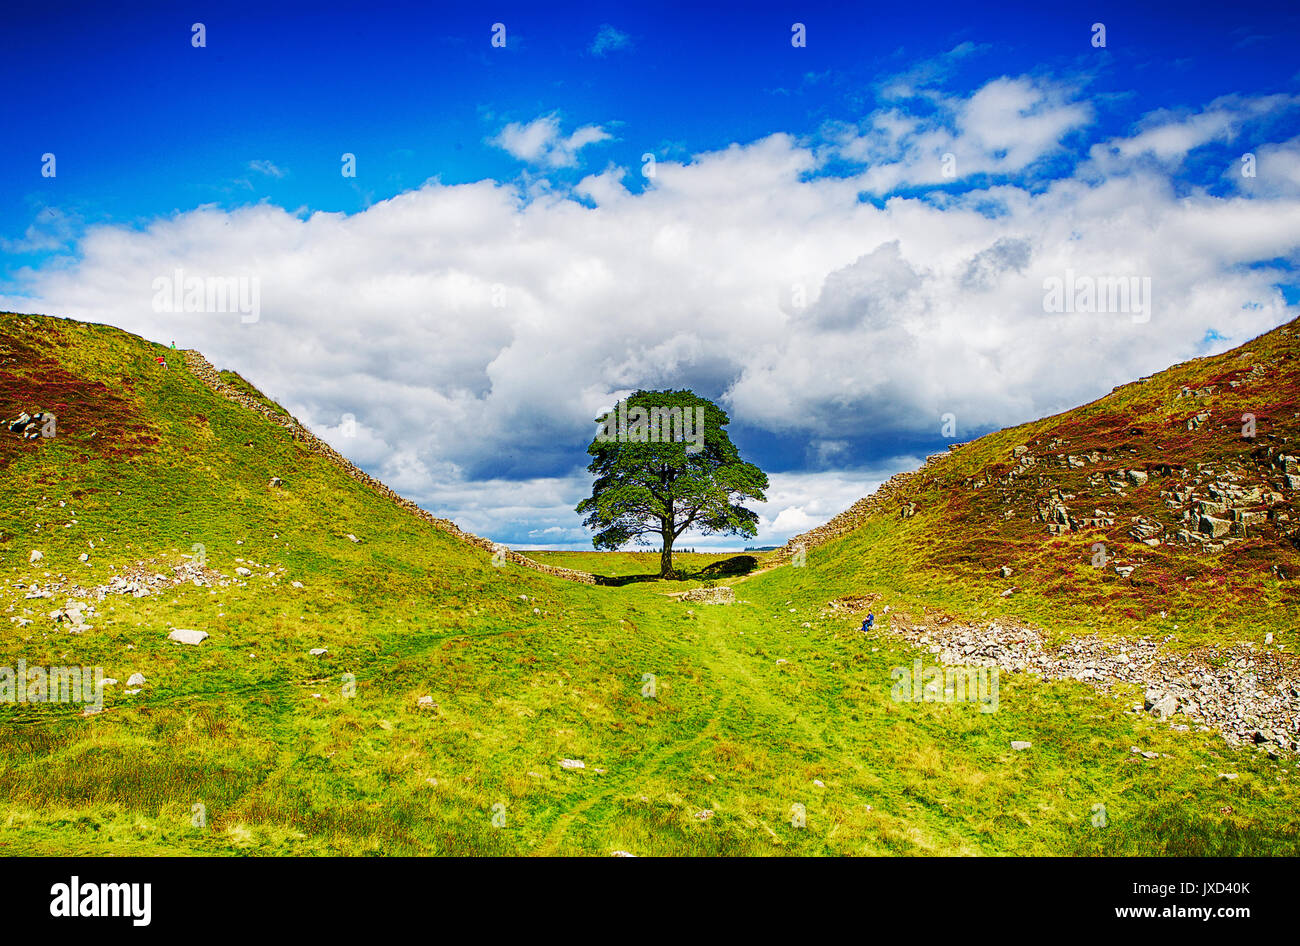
1146, 430
32, 379
1042, 498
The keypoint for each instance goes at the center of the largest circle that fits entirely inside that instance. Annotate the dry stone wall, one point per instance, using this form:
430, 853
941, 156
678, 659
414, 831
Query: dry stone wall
203, 370
891, 497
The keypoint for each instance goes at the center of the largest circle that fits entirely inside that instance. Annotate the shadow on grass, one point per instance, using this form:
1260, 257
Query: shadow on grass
732, 567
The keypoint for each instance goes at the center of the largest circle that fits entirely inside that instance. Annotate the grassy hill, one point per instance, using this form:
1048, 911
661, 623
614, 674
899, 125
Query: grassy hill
248, 743
1170, 506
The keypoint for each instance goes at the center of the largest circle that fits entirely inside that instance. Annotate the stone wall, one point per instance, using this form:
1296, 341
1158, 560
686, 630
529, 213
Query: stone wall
891, 498
203, 370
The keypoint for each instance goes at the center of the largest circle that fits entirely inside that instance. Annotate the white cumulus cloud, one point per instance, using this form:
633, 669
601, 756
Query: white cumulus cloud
542, 142
475, 331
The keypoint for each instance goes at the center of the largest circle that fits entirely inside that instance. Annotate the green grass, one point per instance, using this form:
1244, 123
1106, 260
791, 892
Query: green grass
751, 707
690, 566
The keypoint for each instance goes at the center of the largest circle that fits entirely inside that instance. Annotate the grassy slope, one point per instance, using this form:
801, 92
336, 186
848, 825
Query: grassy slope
410, 612
949, 554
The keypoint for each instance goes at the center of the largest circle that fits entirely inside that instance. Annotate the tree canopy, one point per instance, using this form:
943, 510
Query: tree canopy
663, 463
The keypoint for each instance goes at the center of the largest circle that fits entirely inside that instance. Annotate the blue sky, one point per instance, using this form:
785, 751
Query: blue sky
144, 124
226, 159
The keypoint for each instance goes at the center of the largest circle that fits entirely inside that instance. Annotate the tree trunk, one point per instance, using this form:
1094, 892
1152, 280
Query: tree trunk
666, 556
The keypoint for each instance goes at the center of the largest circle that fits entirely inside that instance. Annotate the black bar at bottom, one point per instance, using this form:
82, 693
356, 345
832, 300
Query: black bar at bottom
334, 896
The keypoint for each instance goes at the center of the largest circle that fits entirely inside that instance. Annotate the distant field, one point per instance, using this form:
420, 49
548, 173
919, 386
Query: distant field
693, 565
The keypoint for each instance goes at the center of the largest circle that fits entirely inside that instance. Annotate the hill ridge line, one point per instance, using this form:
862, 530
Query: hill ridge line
893, 492
888, 493
202, 369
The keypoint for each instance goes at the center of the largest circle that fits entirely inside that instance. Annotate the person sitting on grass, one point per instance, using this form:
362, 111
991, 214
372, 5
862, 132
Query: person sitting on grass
867, 624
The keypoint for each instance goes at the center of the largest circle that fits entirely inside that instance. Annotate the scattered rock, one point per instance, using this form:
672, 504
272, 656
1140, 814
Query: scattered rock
1213, 527
1020, 746
187, 636
1245, 692
1160, 705
30, 426
572, 764
720, 595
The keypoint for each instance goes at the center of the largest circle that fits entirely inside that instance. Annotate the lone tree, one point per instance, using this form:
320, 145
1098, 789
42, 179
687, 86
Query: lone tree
663, 464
